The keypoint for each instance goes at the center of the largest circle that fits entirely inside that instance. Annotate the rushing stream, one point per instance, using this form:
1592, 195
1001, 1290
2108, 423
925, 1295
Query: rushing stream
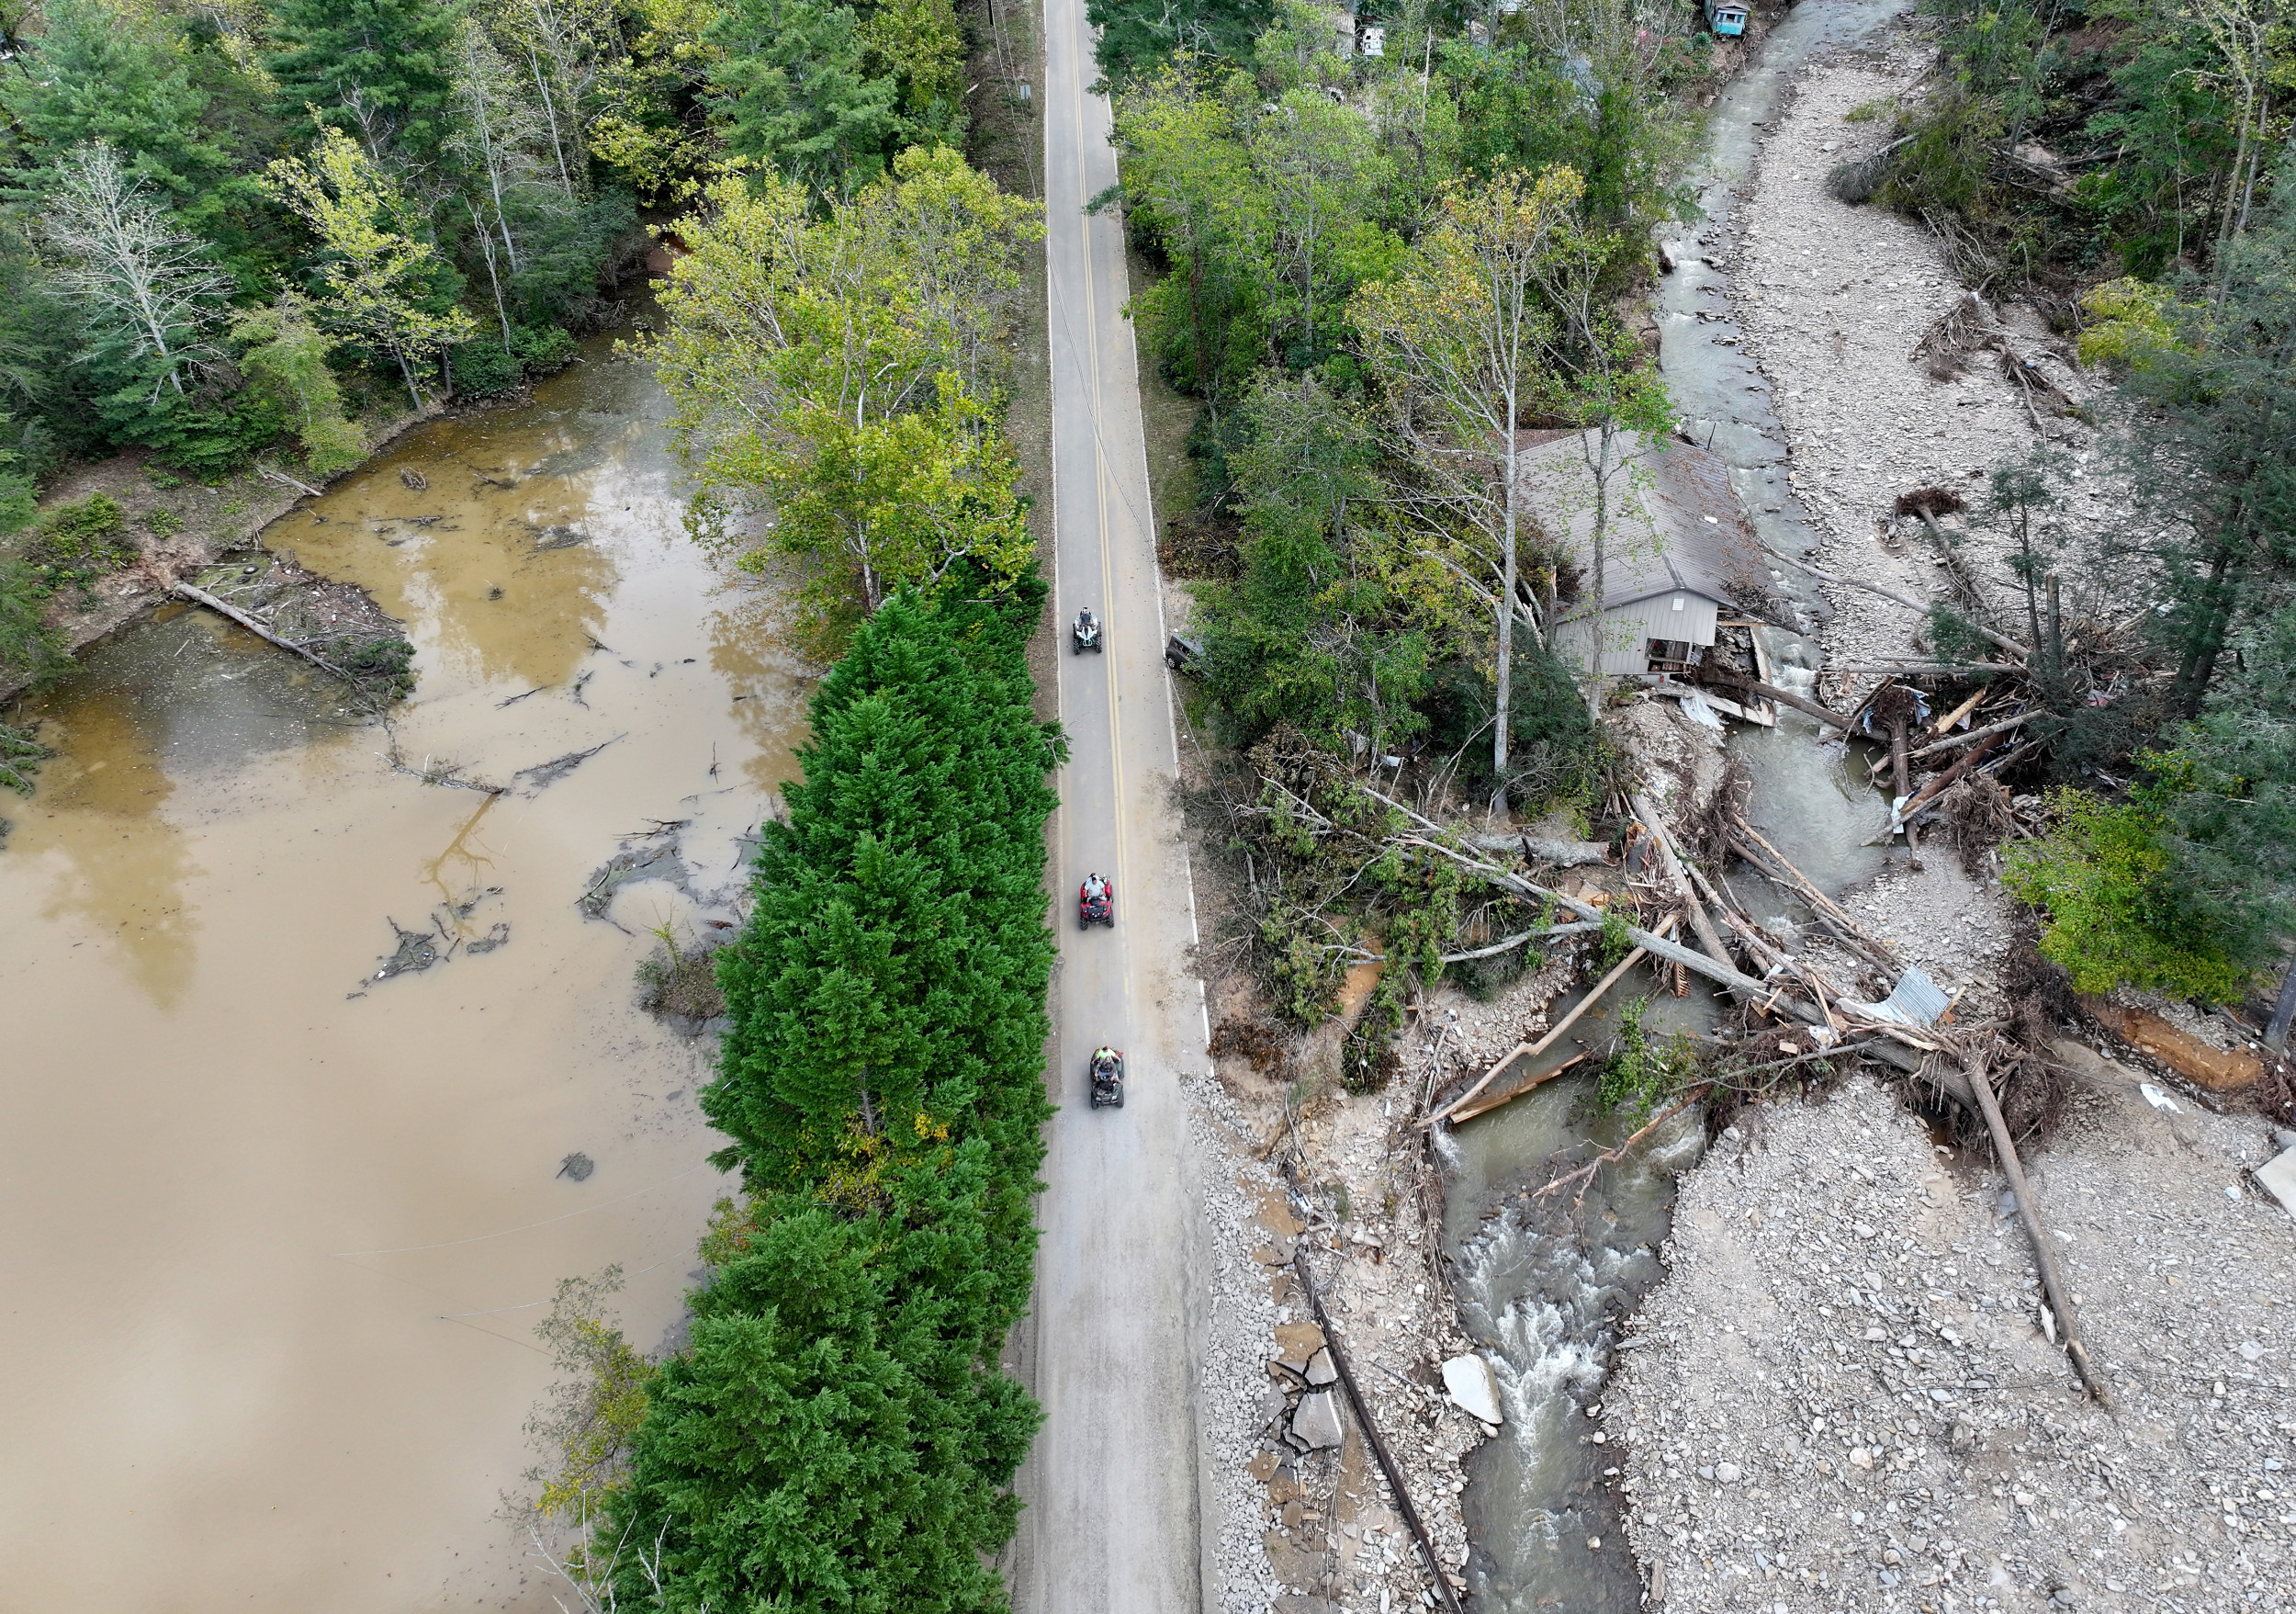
1543, 1285
278, 1230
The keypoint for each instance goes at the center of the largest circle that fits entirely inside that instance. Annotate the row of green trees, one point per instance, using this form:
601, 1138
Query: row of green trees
838, 1433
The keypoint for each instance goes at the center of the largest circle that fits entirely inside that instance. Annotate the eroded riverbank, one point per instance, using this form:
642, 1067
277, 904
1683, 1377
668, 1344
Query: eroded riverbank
283, 1227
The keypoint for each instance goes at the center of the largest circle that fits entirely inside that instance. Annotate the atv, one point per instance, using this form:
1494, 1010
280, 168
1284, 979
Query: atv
1107, 1078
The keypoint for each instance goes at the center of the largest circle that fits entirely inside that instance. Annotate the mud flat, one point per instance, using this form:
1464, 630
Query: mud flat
286, 1189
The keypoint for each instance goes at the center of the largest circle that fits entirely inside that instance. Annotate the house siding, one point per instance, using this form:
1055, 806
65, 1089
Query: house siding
1627, 630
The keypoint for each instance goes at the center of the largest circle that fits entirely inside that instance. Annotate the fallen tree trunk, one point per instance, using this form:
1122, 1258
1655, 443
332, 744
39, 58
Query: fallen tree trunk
1785, 697
1388, 1465
201, 596
1773, 863
2010, 645
1956, 742
1981, 1086
1931, 791
1563, 854
280, 476
1671, 865
1465, 1112
1531, 1050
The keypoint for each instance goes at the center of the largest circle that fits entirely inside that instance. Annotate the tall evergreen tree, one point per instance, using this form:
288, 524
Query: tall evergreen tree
97, 76
795, 91
379, 70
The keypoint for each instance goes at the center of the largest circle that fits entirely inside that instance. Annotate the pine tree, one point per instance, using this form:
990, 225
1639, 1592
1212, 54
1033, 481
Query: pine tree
892, 978
795, 93
97, 76
378, 69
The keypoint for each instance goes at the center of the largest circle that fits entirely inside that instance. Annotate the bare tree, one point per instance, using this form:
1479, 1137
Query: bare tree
1603, 383
1464, 332
124, 255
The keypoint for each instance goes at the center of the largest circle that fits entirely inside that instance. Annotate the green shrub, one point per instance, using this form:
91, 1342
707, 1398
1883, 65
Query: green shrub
29, 648
543, 350
488, 369
484, 369
1643, 1071
2115, 913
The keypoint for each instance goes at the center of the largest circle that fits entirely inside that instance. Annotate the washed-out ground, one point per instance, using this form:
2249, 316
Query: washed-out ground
1301, 1520
1842, 1396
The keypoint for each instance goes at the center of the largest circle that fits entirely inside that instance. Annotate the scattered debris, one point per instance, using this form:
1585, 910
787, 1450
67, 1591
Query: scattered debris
413, 478
417, 951
578, 1166
542, 775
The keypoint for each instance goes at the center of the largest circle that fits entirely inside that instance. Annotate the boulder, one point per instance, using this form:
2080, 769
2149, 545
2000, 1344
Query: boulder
1474, 1387
2277, 1177
1317, 1421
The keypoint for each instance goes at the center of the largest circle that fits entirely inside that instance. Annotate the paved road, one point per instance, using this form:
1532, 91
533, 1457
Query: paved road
1111, 1524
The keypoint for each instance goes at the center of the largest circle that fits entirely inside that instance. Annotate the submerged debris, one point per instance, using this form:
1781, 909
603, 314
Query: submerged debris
418, 950
498, 936
659, 859
542, 775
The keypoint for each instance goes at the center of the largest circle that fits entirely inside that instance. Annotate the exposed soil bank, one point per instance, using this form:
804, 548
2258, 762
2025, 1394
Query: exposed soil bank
281, 1227
179, 526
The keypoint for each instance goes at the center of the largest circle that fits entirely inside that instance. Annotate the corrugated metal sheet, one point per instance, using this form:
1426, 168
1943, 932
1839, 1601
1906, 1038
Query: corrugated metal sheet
1675, 520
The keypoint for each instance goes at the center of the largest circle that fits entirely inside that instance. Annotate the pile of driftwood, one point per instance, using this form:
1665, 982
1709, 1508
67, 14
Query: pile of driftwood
1901, 1028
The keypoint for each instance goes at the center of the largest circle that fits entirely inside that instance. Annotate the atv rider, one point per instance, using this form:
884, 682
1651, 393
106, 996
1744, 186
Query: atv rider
1087, 625
1095, 888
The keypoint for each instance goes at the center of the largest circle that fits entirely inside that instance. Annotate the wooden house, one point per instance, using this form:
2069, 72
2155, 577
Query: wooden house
1678, 552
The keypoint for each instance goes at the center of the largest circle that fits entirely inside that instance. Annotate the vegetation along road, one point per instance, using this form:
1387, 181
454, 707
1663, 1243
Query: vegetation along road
1111, 1488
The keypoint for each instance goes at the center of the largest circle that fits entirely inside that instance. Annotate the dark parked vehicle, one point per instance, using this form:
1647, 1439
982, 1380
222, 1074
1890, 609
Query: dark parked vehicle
1180, 654
1107, 1078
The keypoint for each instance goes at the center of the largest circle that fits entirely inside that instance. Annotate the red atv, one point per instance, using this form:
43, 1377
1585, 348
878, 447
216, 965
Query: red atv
1096, 903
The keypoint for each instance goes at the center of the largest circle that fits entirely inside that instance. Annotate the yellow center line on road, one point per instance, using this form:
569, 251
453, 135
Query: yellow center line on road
1100, 488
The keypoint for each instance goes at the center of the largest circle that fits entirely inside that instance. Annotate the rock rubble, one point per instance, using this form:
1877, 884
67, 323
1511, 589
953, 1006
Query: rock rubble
1846, 1399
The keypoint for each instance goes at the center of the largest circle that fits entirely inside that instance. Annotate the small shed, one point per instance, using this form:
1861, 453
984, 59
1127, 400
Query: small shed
1677, 551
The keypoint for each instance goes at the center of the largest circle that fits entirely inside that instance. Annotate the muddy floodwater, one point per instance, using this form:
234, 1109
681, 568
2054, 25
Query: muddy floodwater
278, 1229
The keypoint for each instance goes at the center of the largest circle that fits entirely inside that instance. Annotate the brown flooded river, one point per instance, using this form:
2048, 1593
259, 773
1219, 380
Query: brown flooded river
278, 1231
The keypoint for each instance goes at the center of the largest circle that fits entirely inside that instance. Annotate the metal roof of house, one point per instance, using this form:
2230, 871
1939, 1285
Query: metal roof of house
1676, 523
